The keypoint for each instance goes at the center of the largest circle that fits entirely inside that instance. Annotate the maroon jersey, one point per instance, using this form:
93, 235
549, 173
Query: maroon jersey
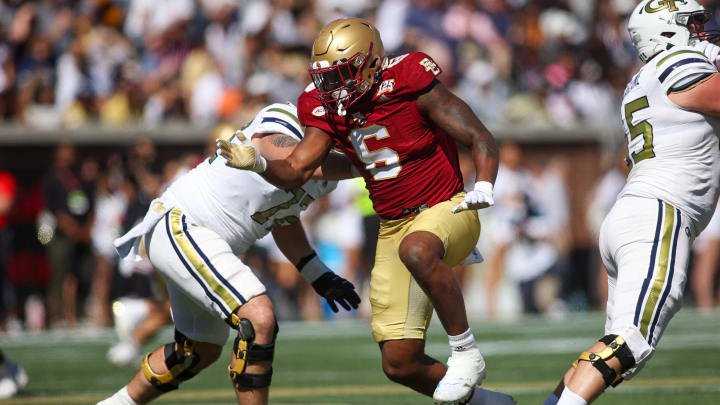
406, 162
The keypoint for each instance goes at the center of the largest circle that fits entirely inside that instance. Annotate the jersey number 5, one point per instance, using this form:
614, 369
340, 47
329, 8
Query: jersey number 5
383, 163
641, 128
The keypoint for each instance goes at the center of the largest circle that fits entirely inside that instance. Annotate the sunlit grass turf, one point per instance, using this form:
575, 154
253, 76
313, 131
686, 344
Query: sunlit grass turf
338, 363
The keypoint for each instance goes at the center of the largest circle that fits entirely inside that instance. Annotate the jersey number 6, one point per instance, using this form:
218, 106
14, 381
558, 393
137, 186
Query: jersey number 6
383, 163
641, 128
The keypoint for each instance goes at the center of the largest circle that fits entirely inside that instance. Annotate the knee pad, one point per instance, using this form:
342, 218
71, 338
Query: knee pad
178, 362
246, 350
616, 347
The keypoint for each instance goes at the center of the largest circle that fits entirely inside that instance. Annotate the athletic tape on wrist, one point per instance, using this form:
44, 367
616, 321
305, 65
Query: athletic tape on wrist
485, 187
312, 269
300, 265
260, 163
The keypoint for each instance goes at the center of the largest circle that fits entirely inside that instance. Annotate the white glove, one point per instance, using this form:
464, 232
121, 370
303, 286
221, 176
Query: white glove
480, 197
244, 155
710, 50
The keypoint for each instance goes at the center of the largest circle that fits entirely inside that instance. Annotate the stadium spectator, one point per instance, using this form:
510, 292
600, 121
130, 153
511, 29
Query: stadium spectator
8, 190
70, 199
536, 259
508, 209
28, 270
598, 204
110, 208
174, 56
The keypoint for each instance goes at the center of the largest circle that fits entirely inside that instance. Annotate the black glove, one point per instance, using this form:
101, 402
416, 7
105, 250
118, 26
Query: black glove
335, 288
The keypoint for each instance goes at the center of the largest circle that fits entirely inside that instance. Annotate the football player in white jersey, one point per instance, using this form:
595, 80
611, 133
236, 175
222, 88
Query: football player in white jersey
671, 115
193, 234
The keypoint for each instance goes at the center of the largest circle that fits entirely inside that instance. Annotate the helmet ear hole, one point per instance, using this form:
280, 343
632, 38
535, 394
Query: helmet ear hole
668, 34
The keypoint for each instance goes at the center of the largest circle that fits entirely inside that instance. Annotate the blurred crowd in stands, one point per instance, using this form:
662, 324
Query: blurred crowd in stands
115, 62
518, 63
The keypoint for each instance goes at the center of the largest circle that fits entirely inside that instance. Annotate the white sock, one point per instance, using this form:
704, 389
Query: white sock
119, 398
486, 397
570, 398
552, 399
462, 342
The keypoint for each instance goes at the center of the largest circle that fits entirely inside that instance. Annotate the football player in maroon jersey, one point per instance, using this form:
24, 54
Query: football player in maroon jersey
398, 127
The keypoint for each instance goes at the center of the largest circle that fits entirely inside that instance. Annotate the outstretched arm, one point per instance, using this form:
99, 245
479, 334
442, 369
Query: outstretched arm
449, 113
297, 169
288, 173
336, 165
292, 241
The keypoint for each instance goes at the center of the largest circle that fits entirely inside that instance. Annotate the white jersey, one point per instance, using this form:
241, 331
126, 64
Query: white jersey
239, 205
673, 152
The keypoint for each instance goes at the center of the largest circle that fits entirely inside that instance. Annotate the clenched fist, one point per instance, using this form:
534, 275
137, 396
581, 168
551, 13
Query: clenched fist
481, 196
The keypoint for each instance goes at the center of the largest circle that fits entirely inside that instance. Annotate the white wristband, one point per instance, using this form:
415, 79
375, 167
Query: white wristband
260, 163
314, 269
484, 187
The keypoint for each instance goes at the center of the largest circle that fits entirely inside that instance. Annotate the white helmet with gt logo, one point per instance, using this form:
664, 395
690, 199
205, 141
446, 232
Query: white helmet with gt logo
658, 25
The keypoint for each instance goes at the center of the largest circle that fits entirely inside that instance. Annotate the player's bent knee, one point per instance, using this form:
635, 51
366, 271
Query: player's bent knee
615, 346
181, 358
399, 368
398, 372
417, 254
245, 351
264, 326
259, 312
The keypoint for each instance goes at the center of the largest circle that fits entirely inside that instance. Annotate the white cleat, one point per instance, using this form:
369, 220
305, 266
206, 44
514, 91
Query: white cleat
465, 371
12, 379
8, 388
124, 353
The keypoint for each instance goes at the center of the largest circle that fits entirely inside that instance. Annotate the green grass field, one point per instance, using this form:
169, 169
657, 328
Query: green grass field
338, 363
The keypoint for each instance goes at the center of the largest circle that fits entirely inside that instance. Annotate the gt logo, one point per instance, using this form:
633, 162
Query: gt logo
662, 5
158, 207
430, 66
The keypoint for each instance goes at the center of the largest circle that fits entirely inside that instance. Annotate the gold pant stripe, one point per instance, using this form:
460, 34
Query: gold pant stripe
197, 262
662, 267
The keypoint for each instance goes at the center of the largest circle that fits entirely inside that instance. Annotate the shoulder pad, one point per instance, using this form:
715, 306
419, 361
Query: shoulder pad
680, 64
410, 73
311, 111
278, 118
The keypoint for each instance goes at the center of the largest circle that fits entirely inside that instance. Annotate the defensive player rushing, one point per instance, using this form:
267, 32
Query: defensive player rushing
671, 114
193, 233
398, 126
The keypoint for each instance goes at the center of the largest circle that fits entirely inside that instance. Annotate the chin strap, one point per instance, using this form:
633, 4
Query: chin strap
341, 109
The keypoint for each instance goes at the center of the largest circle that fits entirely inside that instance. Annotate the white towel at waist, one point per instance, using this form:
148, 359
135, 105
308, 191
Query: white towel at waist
473, 257
128, 245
